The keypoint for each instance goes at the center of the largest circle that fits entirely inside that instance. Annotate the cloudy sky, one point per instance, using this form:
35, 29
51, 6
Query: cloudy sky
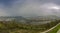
29, 7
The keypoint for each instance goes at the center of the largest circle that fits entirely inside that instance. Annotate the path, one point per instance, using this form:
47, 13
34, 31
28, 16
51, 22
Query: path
58, 31
50, 29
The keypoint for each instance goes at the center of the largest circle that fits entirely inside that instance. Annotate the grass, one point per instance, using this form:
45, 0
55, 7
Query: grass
55, 29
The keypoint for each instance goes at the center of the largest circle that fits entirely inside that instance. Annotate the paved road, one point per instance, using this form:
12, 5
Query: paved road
58, 31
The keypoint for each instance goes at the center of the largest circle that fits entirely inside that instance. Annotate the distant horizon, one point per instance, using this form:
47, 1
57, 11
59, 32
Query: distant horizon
30, 16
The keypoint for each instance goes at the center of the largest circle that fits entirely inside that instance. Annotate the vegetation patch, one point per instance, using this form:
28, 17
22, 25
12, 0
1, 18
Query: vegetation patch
17, 27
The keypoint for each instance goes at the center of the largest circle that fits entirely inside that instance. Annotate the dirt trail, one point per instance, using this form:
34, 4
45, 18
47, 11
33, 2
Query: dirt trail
58, 31
50, 29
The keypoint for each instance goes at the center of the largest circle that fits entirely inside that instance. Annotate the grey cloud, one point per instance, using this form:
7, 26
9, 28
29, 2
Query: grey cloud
33, 8
37, 8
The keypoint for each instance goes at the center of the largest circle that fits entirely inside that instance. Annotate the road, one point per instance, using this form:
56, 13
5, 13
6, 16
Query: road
58, 31
51, 29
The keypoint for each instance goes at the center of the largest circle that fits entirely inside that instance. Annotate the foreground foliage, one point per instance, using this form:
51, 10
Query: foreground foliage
16, 27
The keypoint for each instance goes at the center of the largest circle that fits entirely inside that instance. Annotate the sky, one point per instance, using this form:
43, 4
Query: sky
29, 7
